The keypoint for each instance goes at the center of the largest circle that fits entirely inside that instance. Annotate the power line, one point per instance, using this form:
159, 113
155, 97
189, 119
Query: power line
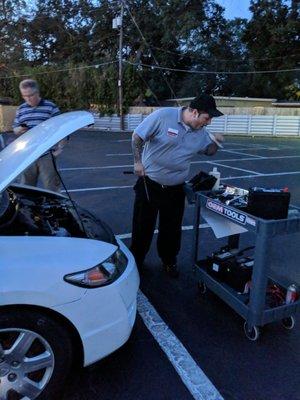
166, 50
212, 72
152, 47
145, 41
60, 70
146, 83
74, 45
30, 48
51, 63
194, 56
154, 67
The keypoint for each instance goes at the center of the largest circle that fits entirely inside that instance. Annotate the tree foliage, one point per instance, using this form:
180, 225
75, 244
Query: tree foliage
272, 40
63, 44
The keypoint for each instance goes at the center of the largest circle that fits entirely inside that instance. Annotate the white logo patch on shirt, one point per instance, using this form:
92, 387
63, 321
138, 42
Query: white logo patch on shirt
172, 132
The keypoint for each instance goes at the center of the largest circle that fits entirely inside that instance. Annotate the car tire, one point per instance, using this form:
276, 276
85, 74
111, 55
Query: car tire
50, 341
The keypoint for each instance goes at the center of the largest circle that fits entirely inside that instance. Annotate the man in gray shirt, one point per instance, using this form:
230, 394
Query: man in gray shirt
163, 146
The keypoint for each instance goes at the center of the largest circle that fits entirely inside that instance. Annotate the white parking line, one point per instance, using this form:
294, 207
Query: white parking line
183, 228
227, 150
255, 146
88, 168
261, 175
98, 188
200, 387
243, 148
223, 179
118, 154
243, 154
244, 159
238, 169
193, 162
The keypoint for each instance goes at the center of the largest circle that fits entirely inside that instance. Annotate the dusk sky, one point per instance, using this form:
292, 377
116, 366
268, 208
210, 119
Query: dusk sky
235, 8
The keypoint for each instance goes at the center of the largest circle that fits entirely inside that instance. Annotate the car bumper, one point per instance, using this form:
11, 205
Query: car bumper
104, 317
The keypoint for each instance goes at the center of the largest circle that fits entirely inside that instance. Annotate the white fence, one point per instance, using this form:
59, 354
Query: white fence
112, 123
271, 125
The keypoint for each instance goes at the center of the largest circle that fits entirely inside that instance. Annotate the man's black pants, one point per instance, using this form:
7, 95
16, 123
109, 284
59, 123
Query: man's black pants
168, 203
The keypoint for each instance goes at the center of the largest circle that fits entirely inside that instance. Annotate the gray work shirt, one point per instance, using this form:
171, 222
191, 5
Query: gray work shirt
170, 145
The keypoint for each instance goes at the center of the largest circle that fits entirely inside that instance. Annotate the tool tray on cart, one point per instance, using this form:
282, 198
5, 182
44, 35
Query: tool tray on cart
275, 253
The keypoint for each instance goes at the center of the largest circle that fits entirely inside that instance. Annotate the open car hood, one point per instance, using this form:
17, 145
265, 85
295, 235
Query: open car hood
25, 150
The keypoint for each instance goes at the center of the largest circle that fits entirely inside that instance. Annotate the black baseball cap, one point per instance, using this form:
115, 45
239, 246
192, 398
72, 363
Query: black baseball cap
205, 102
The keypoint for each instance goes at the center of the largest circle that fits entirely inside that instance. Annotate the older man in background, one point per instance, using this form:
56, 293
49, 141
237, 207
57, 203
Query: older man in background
31, 113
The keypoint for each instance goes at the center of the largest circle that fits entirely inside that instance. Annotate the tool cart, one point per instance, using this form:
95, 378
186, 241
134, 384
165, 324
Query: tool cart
252, 301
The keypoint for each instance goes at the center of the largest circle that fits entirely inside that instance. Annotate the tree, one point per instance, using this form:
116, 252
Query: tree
58, 31
61, 43
11, 47
272, 40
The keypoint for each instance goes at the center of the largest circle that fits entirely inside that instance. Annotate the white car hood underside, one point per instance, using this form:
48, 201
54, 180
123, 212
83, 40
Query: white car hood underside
25, 150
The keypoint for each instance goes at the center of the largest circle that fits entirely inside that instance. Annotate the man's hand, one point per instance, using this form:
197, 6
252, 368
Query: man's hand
59, 147
212, 148
19, 130
139, 169
57, 150
219, 137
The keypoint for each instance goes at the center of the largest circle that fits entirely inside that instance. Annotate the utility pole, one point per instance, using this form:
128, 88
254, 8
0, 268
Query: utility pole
118, 24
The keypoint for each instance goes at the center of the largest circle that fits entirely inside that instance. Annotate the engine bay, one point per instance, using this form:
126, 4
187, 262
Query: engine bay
35, 215
32, 212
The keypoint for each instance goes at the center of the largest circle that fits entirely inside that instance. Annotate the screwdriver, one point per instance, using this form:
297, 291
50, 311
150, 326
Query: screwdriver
144, 180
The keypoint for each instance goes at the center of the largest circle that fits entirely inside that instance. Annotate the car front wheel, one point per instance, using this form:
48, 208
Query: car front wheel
35, 356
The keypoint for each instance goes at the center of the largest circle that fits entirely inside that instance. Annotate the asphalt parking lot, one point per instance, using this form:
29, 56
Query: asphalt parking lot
219, 360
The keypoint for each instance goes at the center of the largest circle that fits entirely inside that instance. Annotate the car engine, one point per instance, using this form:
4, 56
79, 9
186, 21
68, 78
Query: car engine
32, 212
37, 216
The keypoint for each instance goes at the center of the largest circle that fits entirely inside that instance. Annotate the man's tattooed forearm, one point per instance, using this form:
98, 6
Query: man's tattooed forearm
137, 148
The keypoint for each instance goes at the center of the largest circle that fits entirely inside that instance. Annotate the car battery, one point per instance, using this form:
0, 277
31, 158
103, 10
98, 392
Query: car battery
268, 203
234, 270
217, 263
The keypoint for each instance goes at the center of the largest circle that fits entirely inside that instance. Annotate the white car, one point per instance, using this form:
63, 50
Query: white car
68, 287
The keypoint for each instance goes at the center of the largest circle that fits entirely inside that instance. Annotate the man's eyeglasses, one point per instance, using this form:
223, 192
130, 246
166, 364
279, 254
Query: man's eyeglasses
29, 95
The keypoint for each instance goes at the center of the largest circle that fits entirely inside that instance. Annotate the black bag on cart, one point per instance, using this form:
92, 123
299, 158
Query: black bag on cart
202, 181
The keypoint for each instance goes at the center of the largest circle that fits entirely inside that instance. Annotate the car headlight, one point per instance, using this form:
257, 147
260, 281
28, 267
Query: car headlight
101, 274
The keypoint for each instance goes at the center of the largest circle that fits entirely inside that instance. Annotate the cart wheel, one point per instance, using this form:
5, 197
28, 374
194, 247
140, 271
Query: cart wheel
202, 287
288, 322
251, 334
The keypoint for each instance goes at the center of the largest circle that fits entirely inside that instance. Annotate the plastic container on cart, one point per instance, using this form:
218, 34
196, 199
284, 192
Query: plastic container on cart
257, 307
217, 175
